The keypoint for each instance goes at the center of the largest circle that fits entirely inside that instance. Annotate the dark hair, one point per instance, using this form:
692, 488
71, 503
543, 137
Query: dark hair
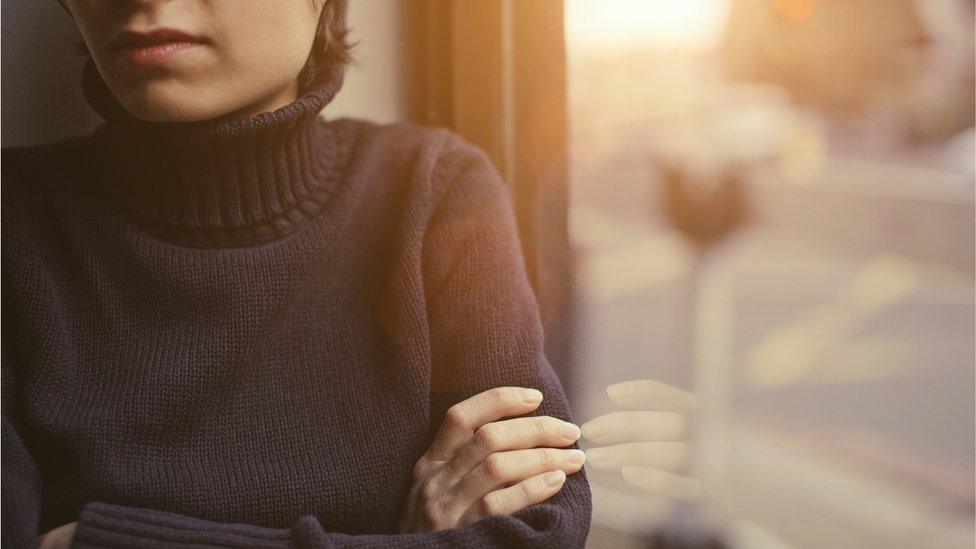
331, 46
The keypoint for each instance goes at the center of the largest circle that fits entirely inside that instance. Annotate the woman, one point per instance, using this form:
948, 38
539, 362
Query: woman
230, 321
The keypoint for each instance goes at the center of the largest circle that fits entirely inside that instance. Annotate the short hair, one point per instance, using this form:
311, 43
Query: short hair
330, 48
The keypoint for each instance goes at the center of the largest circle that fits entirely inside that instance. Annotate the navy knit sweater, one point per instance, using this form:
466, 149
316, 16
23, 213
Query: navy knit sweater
244, 332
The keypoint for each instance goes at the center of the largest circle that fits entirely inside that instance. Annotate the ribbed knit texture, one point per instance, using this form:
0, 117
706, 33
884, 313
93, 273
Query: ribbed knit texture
211, 183
245, 332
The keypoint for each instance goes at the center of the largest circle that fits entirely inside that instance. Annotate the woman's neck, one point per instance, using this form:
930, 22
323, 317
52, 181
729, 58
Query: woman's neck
271, 102
236, 180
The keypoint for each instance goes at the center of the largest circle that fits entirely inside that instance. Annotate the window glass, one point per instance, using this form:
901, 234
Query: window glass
772, 207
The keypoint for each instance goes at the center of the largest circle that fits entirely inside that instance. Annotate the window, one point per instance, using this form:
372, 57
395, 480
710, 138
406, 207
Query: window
772, 205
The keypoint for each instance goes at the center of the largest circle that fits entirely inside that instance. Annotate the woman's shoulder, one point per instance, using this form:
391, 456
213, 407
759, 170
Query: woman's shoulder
433, 159
400, 135
29, 167
38, 180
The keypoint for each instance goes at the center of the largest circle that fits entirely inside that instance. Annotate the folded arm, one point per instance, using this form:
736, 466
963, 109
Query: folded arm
485, 332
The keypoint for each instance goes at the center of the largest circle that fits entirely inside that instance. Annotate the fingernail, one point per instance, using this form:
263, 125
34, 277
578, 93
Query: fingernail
634, 474
531, 396
590, 430
600, 457
577, 457
570, 431
554, 478
615, 391
597, 454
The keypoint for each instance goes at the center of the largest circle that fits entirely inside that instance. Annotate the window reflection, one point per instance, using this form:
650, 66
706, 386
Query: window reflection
772, 201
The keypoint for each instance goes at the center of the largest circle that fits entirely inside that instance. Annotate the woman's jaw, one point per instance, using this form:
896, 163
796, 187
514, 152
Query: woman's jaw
201, 60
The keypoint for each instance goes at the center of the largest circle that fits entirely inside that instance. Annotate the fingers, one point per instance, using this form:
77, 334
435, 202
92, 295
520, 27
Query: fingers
465, 417
662, 483
636, 426
645, 444
648, 394
509, 500
505, 468
60, 537
670, 456
513, 434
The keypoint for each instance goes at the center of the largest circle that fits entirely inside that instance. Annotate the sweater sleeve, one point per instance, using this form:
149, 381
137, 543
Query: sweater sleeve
486, 328
485, 332
21, 493
21, 490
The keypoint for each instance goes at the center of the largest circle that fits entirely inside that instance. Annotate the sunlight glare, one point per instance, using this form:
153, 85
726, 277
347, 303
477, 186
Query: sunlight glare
615, 25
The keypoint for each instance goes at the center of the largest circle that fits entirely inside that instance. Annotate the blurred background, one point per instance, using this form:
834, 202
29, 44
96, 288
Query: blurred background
772, 203
768, 203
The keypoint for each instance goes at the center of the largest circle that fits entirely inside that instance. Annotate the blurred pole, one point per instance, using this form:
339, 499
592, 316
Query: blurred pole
712, 314
707, 213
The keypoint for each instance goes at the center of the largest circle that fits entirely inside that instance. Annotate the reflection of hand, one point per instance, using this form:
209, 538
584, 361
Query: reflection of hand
645, 443
60, 537
478, 466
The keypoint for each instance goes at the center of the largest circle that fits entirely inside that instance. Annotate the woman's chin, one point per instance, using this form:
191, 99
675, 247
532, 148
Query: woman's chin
160, 101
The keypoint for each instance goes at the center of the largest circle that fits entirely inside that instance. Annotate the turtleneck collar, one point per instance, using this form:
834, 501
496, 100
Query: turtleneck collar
224, 182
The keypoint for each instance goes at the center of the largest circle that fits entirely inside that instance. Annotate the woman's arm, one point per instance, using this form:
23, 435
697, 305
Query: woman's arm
485, 332
436, 502
455, 487
21, 489
481, 464
485, 324
21, 481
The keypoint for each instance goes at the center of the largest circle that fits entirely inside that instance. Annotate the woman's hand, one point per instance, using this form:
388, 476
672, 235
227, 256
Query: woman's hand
645, 443
58, 538
478, 466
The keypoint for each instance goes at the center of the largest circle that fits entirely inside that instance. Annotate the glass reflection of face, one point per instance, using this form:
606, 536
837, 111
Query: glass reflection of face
245, 57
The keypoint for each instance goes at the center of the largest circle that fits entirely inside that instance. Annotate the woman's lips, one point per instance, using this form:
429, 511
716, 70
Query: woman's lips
155, 53
156, 46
